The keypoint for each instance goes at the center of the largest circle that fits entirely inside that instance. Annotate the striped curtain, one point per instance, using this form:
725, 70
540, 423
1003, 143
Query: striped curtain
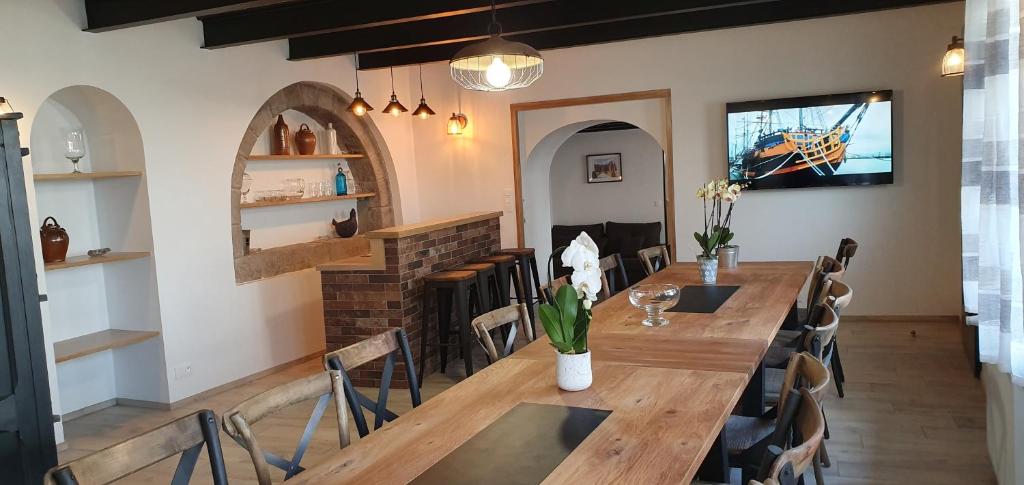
991, 203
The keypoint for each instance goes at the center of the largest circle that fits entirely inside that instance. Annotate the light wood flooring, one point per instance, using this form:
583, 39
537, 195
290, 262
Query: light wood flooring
913, 414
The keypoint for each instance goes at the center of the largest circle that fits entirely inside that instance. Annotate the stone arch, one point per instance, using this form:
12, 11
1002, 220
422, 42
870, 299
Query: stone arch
325, 104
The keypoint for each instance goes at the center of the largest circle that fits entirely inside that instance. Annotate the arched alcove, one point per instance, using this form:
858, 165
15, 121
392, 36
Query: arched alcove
373, 172
102, 315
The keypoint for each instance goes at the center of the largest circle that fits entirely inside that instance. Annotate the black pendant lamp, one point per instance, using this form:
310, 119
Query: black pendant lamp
358, 106
394, 107
422, 111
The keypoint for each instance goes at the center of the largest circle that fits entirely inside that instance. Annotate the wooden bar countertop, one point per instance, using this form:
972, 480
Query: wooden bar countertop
375, 259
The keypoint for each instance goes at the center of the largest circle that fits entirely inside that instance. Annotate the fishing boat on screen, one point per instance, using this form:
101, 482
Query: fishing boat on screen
801, 151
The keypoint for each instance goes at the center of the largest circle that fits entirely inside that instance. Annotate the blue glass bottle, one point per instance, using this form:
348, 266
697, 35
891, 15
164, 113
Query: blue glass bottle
340, 184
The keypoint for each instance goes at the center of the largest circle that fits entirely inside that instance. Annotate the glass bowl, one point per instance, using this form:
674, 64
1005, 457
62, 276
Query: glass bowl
654, 299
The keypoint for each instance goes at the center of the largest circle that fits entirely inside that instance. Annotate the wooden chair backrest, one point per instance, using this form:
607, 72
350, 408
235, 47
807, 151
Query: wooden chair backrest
770, 481
651, 257
548, 291
805, 371
847, 249
612, 265
388, 345
237, 421
825, 269
810, 426
513, 314
819, 337
840, 294
185, 435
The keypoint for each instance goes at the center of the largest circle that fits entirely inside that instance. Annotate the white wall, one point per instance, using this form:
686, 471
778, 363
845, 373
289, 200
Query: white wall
908, 232
192, 107
637, 198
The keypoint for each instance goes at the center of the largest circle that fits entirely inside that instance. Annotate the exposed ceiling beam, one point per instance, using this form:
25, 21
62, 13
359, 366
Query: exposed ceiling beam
707, 19
469, 27
106, 15
323, 16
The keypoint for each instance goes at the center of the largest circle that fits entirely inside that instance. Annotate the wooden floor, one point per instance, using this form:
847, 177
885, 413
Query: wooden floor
913, 414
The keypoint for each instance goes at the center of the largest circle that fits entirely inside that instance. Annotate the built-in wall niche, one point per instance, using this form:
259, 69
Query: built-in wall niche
291, 235
103, 312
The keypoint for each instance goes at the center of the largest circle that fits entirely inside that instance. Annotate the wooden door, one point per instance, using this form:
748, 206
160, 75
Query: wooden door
27, 446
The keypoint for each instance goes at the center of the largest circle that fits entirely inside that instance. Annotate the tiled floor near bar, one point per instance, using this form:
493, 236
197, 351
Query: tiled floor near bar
913, 413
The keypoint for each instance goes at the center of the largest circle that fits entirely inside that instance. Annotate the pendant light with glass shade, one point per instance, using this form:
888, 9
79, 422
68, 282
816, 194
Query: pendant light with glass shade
422, 111
358, 106
496, 64
953, 61
394, 107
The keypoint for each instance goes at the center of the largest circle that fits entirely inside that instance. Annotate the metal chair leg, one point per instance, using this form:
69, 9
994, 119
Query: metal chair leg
837, 369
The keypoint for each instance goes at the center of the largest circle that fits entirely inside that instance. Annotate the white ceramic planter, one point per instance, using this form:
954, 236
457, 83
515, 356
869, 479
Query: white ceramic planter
573, 371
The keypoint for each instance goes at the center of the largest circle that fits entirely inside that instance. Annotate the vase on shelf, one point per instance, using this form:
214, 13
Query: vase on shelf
708, 267
305, 140
331, 140
280, 142
54, 241
728, 256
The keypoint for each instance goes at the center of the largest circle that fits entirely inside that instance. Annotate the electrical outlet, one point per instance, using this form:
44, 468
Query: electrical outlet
183, 371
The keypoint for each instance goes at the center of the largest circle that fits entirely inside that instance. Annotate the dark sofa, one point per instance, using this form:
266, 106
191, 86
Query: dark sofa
625, 238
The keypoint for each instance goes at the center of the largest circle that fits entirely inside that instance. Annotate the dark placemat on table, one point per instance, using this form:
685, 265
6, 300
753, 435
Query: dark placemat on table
522, 447
702, 298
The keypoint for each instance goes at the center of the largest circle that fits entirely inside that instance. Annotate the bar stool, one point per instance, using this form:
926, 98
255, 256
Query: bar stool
486, 284
526, 264
460, 288
504, 266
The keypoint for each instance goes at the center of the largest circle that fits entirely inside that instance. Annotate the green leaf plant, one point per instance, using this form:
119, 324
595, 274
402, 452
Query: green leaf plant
566, 321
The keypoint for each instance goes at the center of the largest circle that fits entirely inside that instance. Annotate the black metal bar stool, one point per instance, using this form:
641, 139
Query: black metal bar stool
450, 287
486, 284
526, 265
504, 266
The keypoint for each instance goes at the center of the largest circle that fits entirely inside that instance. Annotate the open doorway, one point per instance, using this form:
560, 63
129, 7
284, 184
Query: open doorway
600, 164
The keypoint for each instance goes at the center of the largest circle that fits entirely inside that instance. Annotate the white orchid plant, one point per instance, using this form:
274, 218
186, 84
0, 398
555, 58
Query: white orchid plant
717, 222
567, 318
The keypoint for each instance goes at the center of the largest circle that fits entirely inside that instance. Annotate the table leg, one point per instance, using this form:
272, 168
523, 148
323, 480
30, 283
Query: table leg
753, 396
715, 467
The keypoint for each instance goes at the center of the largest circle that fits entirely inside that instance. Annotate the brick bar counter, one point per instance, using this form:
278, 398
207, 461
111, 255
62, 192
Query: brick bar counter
366, 295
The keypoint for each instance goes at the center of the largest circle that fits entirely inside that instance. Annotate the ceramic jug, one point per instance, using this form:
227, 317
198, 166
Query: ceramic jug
305, 140
54, 240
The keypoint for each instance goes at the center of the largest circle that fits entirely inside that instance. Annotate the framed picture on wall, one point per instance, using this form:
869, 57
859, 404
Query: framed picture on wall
604, 167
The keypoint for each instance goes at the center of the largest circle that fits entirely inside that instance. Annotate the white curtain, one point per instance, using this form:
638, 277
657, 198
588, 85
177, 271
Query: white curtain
991, 203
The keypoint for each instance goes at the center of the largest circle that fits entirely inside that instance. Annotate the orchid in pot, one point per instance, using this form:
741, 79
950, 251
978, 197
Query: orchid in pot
717, 227
567, 319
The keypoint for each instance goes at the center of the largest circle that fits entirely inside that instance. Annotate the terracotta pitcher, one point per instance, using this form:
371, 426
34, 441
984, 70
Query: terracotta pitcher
305, 140
54, 240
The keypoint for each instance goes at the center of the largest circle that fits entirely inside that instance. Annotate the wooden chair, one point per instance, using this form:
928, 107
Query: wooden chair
748, 437
613, 275
839, 296
237, 422
654, 259
787, 467
486, 323
847, 249
389, 345
185, 435
549, 290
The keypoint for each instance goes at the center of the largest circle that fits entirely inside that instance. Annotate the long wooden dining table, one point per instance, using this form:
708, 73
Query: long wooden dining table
669, 389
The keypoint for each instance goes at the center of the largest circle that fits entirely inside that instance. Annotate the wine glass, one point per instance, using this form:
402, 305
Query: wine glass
654, 299
246, 186
74, 148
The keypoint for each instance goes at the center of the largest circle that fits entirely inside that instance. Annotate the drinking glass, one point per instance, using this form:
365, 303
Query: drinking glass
327, 188
654, 299
294, 188
246, 186
74, 148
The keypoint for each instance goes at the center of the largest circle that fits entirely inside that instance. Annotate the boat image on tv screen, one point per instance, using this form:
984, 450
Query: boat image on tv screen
841, 139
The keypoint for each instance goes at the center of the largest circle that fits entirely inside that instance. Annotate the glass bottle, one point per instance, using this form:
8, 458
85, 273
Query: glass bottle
340, 184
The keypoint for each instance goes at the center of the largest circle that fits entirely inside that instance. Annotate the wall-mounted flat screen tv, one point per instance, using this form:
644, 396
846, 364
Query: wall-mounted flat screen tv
839, 139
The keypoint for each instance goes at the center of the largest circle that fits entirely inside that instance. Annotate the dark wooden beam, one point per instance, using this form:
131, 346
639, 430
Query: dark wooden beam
474, 26
692, 21
323, 16
105, 15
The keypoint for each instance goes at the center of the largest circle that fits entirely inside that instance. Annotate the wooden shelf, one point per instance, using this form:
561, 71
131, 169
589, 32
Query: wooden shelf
308, 200
76, 261
322, 156
54, 177
92, 343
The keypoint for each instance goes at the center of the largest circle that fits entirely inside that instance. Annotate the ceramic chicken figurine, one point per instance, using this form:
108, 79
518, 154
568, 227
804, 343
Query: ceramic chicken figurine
348, 227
